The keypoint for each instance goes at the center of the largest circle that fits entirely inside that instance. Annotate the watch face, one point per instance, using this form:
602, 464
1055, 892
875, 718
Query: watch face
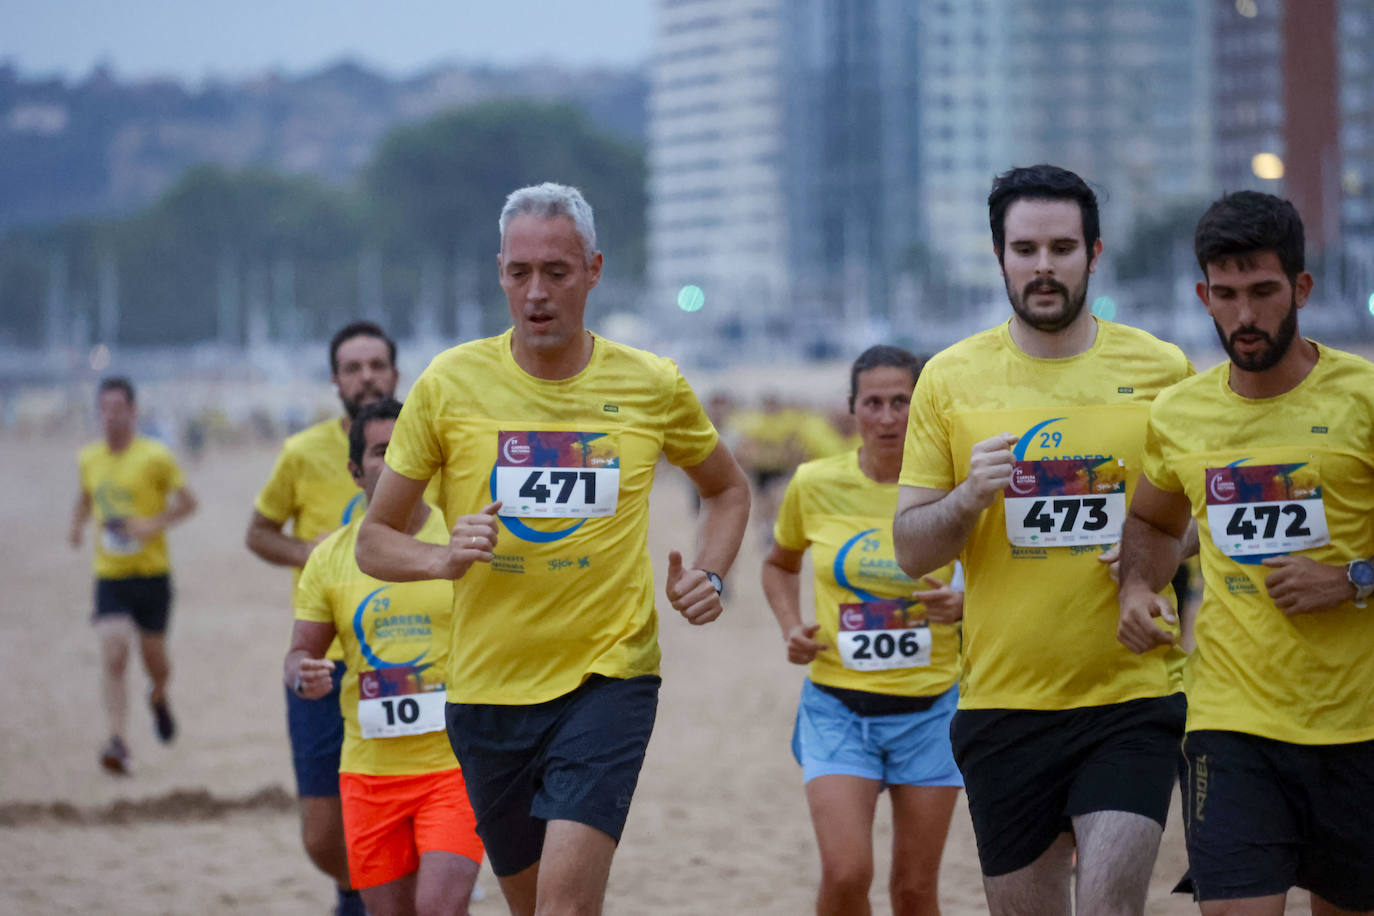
1362, 573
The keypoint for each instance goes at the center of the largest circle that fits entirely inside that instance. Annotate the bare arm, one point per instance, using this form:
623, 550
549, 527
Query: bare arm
387, 552
267, 539
782, 588
305, 668
1152, 544
932, 526
180, 505
724, 492
81, 514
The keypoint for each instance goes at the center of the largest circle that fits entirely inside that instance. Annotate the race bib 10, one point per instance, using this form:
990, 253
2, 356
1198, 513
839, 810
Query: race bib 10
557, 474
1265, 509
882, 635
393, 702
1066, 501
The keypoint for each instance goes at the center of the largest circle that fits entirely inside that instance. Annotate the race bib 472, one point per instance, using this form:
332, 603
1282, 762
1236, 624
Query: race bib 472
1265, 508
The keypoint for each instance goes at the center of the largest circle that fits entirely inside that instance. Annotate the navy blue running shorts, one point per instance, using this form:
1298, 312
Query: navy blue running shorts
316, 729
1262, 816
1028, 773
574, 758
147, 600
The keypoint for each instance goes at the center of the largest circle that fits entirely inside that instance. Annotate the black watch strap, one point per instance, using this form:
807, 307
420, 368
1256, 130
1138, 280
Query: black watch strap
715, 581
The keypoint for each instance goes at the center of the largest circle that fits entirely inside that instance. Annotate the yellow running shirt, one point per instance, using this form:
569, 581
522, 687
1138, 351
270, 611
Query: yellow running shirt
1304, 460
395, 638
1040, 614
134, 483
571, 591
310, 485
845, 518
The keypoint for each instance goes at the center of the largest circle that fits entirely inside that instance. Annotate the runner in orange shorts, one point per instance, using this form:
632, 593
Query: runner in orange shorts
409, 828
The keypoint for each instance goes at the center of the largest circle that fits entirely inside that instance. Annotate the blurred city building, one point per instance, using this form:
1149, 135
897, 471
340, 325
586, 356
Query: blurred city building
820, 167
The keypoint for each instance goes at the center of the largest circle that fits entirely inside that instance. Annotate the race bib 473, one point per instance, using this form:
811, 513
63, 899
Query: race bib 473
1265, 508
1066, 501
557, 474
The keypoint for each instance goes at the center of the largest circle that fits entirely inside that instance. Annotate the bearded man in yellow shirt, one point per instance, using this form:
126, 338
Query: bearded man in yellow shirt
549, 435
310, 488
1272, 454
135, 491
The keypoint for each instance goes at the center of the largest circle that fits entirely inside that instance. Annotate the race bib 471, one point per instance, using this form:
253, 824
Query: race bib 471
1066, 501
557, 474
1265, 508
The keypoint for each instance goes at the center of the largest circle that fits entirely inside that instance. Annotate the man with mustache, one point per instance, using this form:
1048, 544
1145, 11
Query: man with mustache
310, 486
1272, 454
1023, 444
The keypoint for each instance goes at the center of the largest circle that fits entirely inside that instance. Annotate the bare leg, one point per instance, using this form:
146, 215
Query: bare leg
116, 632
444, 884
920, 820
394, 898
574, 869
842, 815
1321, 907
1272, 905
520, 890
323, 835
1116, 853
154, 649
1039, 889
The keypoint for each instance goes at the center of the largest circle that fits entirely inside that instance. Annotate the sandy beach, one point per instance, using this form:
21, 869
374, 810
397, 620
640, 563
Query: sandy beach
208, 825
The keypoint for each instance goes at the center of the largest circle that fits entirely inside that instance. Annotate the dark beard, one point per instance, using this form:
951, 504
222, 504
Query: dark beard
353, 407
1278, 346
1073, 305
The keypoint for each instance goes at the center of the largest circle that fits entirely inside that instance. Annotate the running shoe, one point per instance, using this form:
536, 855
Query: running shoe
165, 725
115, 757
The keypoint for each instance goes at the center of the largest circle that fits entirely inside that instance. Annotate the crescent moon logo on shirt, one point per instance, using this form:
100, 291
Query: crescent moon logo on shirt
359, 631
1022, 481
515, 451
851, 619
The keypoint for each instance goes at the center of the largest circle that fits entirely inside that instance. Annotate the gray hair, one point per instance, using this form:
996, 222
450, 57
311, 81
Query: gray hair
549, 200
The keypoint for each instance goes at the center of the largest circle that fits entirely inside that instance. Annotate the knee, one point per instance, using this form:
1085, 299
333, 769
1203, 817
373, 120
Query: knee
322, 839
846, 880
915, 894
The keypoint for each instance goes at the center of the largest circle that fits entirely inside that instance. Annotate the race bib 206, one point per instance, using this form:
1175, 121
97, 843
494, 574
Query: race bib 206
557, 474
881, 635
1066, 501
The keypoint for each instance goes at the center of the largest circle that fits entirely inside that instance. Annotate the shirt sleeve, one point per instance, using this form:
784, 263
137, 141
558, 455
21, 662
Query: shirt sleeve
312, 594
789, 531
277, 499
926, 458
415, 450
689, 437
1155, 465
173, 478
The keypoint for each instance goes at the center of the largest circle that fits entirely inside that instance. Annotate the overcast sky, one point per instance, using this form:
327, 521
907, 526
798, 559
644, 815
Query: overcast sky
192, 39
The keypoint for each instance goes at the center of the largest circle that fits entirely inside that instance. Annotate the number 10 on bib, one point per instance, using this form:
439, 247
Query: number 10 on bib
557, 474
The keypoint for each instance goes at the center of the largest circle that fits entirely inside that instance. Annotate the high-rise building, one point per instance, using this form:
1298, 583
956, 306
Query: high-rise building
717, 215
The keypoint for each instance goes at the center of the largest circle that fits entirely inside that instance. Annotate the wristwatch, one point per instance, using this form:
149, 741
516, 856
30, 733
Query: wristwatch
1361, 575
719, 586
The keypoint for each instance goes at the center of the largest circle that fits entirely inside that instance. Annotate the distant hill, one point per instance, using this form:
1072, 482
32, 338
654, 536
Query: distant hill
101, 146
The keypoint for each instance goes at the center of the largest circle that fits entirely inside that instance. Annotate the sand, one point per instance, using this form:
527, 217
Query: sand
208, 825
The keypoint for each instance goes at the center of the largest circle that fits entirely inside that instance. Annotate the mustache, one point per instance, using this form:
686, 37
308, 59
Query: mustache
1044, 286
1252, 331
